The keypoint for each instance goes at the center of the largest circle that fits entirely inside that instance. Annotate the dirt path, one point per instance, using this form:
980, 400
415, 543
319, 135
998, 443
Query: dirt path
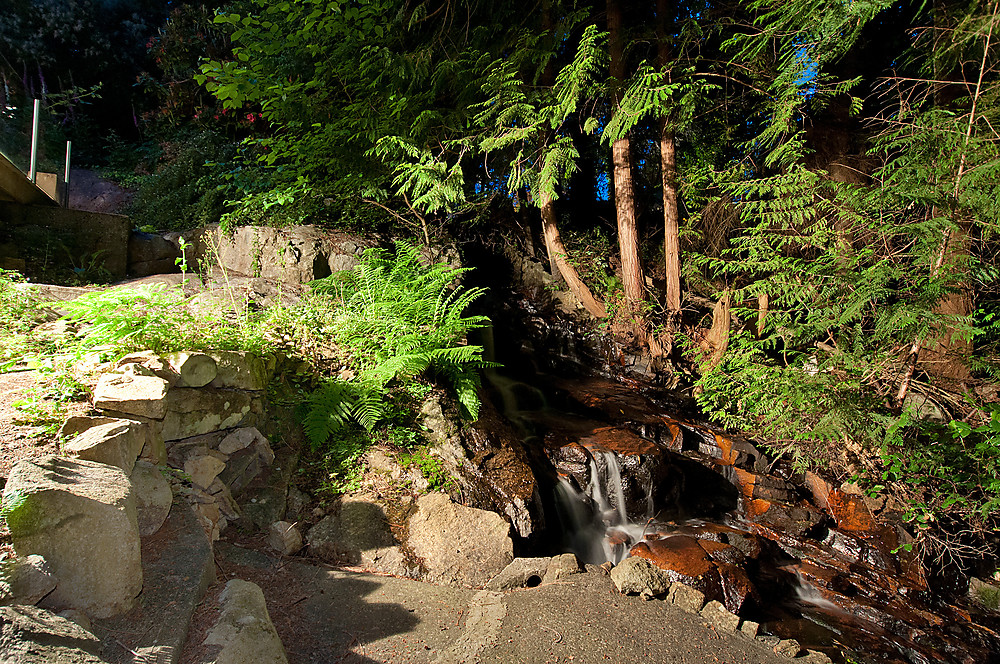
18, 440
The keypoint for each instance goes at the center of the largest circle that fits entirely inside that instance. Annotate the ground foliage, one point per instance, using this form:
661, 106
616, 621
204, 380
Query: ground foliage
837, 167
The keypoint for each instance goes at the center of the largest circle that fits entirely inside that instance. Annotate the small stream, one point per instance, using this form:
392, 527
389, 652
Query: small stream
628, 477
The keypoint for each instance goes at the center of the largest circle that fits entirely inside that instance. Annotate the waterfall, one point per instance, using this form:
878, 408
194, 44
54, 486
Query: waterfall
595, 519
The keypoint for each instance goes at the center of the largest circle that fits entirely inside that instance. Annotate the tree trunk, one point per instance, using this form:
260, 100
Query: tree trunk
557, 253
628, 232
668, 170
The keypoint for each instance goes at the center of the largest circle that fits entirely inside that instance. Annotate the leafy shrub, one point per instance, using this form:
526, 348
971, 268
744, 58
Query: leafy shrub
153, 317
189, 188
19, 313
951, 469
396, 318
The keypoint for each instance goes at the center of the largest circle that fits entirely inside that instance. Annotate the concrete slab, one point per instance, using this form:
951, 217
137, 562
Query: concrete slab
332, 615
177, 567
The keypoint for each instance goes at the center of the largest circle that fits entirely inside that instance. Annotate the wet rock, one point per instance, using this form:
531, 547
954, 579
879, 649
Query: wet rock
117, 443
638, 576
460, 545
81, 517
285, 538
680, 555
25, 580
145, 396
32, 635
985, 594
736, 586
720, 617
244, 633
153, 497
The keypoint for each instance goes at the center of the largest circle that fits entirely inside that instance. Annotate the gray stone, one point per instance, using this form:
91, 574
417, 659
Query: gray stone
520, 573
195, 369
179, 574
244, 633
638, 576
720, 617
81, 517
25, 580
116, 443
562, 566
686, 598
460, 545
242, 371
285, 538
296, 503
238, 440
76, 424
787, 647
145, 396
153, 497
194, 412
814, 657
358, 534
263, 506
203, 469
79, 617
749, 628
32, 635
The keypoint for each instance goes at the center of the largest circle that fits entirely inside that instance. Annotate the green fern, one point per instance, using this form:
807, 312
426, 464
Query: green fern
398, 318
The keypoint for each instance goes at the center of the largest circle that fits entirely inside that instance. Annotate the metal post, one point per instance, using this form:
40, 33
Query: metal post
32, 170
69, 153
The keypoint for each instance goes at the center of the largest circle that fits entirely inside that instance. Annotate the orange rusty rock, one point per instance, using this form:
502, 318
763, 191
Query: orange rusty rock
617, 537
736, 586
676, 439
819, 488
729, 454
619, 440
745, 481
679, 553
757, 507
850, 512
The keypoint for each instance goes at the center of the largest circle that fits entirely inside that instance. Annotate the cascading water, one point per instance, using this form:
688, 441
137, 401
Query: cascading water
595, 520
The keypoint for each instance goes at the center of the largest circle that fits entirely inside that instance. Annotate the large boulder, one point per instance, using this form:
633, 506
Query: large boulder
145, 396
31, 635
293, 255
357, 533
244, 633
116, 443
153, 497
459, 545
81, 517
25, 580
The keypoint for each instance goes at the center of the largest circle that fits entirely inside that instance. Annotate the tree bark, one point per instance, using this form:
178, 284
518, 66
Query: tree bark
557, 253
668, 170
628, 232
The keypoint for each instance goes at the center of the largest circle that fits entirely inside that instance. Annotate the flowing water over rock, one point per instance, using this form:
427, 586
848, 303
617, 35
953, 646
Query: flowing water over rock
808, 561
